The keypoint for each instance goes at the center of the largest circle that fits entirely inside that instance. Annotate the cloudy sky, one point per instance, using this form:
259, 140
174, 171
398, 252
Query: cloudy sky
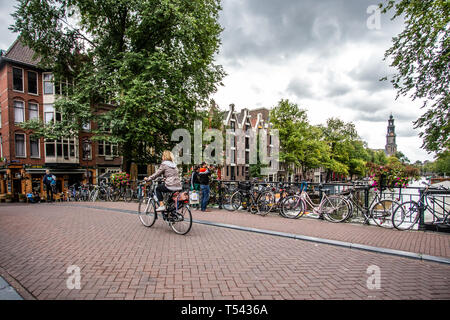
320, 54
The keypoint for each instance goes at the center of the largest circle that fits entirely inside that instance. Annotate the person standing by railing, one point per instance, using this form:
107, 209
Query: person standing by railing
204, 174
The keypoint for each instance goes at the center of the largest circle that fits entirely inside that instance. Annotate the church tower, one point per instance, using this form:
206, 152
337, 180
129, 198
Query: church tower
391, 145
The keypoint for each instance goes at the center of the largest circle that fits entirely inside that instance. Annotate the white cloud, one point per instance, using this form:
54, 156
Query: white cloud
321, 56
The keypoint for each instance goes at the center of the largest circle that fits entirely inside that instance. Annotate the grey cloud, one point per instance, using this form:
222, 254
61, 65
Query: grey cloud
406, 131
369, 73
7, 38
300, 88
269, 29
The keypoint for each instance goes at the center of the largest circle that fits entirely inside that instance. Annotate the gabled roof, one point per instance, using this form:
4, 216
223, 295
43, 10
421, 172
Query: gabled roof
21, 53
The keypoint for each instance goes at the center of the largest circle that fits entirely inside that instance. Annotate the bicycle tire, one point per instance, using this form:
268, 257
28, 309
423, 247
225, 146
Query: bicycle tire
292, 207
147, 212
381, 213
226, 198
129, 195
406, 215
265, 202
236, 201
335, 209
183, 221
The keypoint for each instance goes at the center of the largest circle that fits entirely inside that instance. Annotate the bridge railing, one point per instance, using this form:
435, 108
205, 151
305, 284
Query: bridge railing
429, 215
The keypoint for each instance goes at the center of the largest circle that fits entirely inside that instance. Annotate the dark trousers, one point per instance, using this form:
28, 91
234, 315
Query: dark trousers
49, 193
160, 190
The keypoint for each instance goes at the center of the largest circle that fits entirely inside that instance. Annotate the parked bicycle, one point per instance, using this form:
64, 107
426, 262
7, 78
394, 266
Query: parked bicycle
102, 192
246, 197
330, 207
272, 199
407, 214
177, 215
379, 210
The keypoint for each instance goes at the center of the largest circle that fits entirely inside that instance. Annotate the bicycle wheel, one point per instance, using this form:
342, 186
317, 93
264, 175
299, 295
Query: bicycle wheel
406, 215
236, 201
335, 208
147, 212
292, 207
129, 193
266, 201
226, 201
382, 211
182, 222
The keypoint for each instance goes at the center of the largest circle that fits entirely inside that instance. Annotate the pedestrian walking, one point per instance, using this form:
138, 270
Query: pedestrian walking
50, 184
204, 174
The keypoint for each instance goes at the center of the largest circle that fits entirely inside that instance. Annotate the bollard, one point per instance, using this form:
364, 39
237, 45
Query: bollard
421, 226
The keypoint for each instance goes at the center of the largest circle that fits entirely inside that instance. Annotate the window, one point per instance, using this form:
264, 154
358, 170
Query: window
107, 149
32, 82
1, 146
87, 149
48, 83
49, 113
19, 111
64, 148
33, 111
20, 145
18, 79
34, 148
50, 148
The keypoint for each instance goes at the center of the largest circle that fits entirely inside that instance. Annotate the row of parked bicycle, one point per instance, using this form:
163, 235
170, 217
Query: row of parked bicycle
293, 200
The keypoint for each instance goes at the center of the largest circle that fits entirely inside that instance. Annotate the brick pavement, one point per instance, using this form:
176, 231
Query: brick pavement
121, 259
423, 242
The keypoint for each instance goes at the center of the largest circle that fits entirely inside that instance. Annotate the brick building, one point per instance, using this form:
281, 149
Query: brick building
29, 92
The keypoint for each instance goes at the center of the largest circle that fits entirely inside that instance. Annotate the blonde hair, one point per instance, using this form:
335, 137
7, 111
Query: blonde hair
168, 156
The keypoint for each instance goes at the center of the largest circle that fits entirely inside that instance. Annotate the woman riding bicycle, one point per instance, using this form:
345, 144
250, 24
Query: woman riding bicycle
167, 169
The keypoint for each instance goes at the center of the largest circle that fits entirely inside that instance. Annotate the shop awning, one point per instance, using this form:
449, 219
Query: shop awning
67, 171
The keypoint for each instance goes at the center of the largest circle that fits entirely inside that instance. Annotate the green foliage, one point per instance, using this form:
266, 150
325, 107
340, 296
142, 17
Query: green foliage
421, 55
392, 175
442, 164
140, 68
301, 144
347, 151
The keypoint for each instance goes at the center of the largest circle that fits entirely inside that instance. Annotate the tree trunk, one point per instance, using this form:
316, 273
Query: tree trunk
127, 157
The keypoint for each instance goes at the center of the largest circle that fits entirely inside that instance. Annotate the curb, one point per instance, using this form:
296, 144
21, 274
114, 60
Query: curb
15, 290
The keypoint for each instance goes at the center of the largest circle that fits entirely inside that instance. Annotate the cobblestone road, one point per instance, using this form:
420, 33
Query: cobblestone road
121, 259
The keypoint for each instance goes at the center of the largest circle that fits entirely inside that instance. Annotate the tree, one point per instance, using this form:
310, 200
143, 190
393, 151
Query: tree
151, 60
421, 54
401, 156
442, 164
343, 139
301, 144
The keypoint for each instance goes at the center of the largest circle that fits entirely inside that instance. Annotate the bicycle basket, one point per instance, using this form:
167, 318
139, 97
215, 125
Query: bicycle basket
244, 186
180, 196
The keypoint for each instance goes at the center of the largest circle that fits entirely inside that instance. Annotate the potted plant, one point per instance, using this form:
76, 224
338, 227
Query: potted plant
392, 175
8, 197
22, 197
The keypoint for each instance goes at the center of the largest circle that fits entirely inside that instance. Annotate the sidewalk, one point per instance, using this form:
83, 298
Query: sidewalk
45, 249
420, 242
7, 292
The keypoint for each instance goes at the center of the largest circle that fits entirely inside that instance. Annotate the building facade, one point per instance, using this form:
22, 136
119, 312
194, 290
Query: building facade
28, 92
